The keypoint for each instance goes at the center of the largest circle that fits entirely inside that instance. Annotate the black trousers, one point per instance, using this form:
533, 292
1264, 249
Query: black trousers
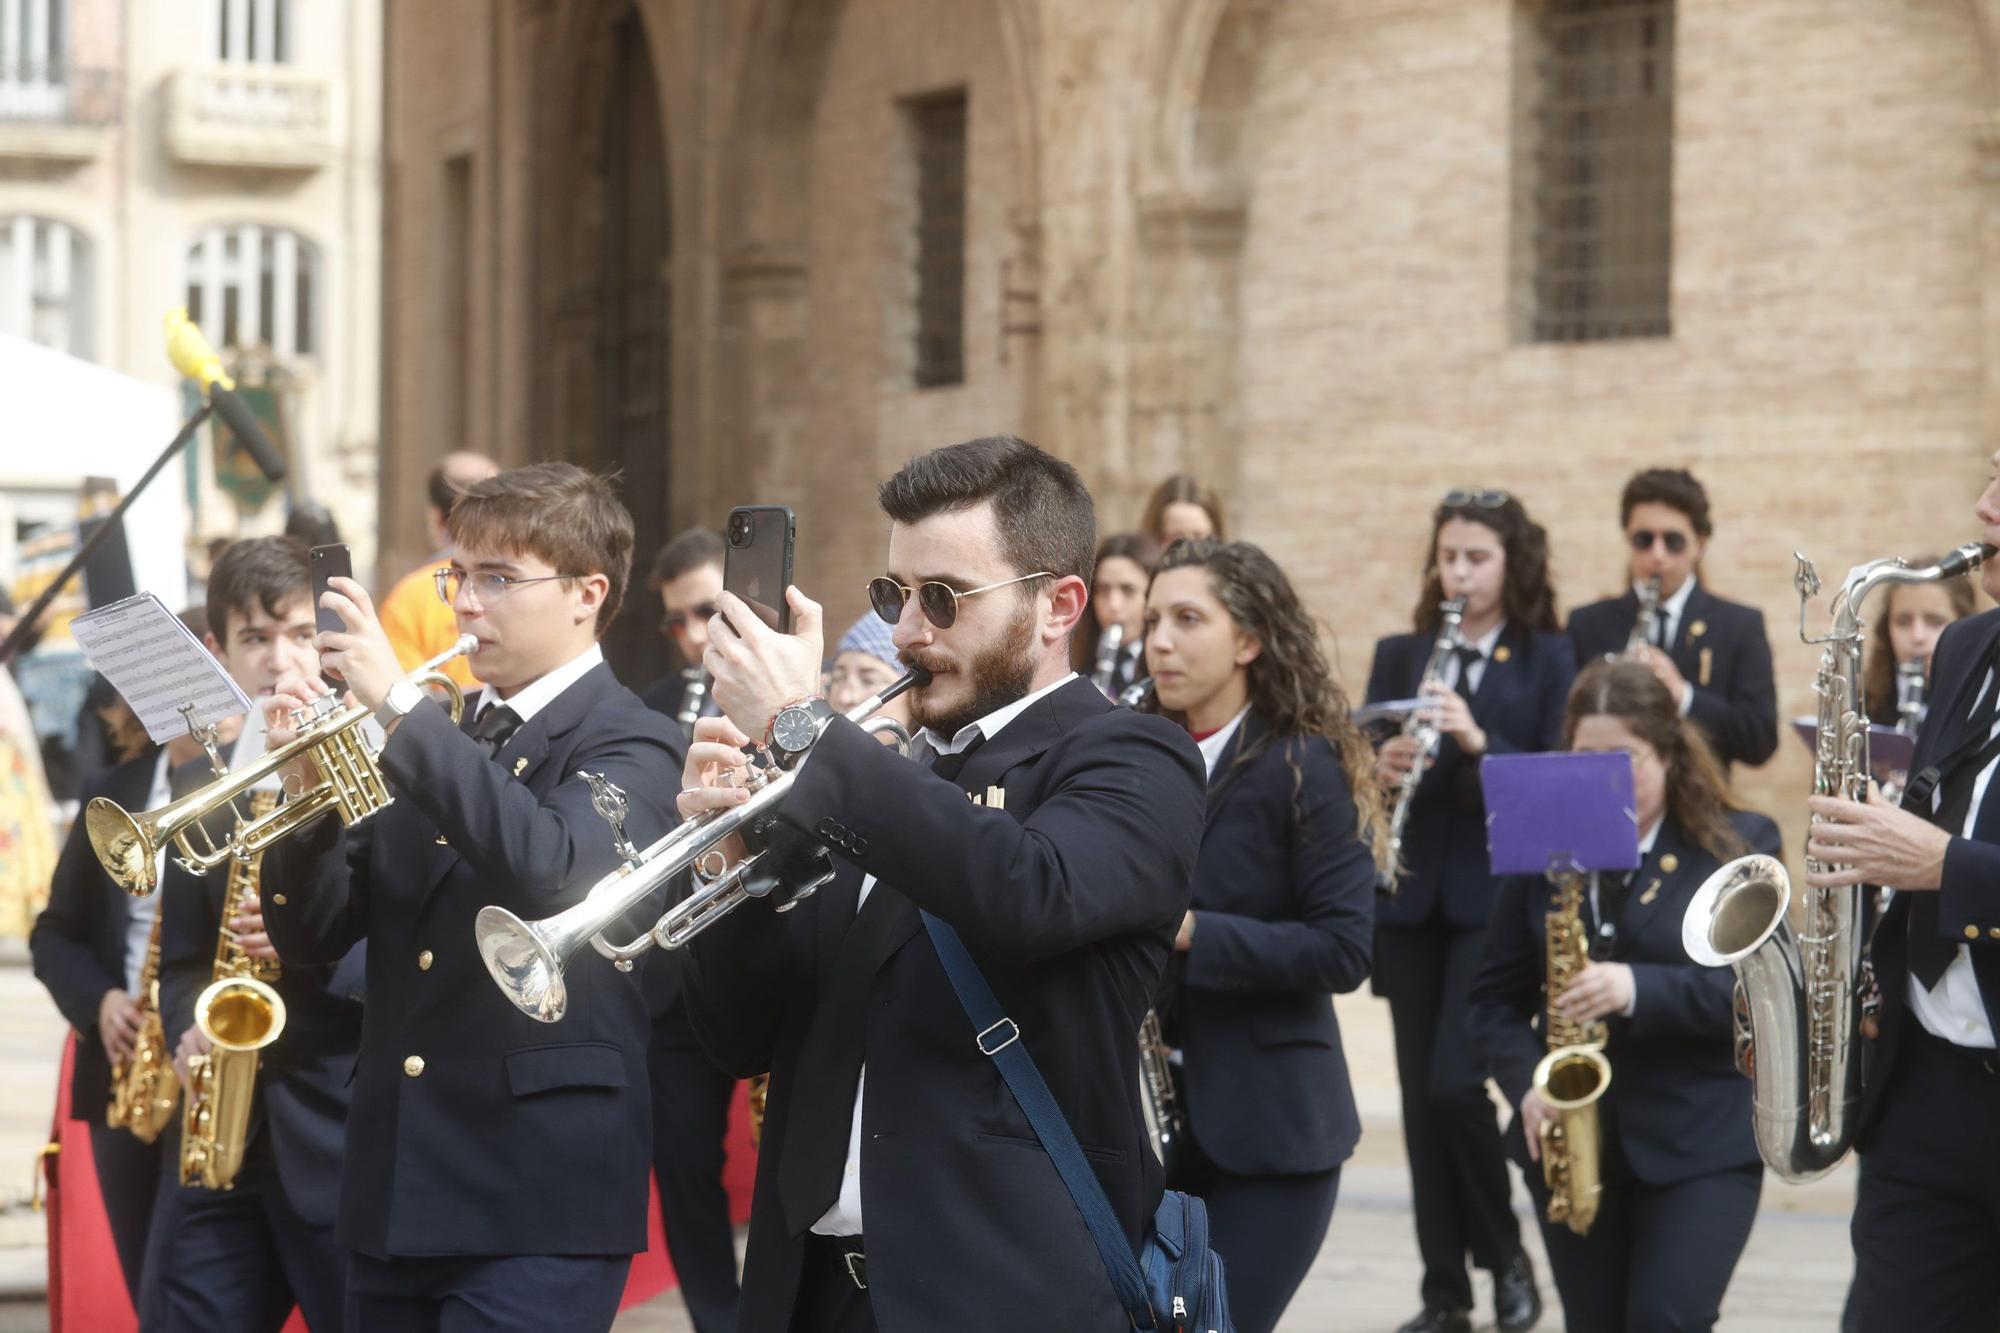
526, 1293
831, 1299
1927, 1212
690, 1129
128, 1179
1658, 1258
239, 1258
1268, 1230
1458, 1172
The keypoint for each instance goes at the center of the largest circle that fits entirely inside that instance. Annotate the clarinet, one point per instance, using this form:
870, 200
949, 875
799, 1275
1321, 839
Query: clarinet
1424, 731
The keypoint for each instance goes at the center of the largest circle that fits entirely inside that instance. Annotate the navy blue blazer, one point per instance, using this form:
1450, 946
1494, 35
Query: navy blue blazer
303, 1077
1284, 903
475, 1129
1720, 647
1519, 704
78, 940
1068, 899
1969, 896
1677, 1104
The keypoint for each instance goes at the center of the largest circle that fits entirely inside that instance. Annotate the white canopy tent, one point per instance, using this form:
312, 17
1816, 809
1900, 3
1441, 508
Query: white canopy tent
63, 419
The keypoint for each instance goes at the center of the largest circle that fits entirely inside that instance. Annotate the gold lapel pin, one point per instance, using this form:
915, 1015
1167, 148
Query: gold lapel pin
1652, 892
1670, 863
1697, 629
520, 765
441, 842
1502, 653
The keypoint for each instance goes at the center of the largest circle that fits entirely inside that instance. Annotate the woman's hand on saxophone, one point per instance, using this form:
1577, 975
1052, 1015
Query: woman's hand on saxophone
1598, 991
1534, 1114
248, 927
191, 1043
117, 1023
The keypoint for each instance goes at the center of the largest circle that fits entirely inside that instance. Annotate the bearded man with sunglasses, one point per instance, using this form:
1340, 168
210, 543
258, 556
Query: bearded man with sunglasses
1711, 654
900, 1186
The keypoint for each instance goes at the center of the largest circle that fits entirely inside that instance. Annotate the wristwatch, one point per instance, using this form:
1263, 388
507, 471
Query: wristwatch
796, 726
402, 699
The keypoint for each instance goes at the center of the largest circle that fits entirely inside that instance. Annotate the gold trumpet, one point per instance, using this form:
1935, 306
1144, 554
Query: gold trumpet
350, 783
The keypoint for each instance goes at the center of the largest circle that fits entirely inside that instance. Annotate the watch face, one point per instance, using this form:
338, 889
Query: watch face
794, 729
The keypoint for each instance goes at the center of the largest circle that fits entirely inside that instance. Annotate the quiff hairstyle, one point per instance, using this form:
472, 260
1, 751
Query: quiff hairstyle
1046, 519
569, 518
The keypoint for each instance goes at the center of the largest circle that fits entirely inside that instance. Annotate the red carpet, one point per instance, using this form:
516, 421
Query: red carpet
87, 1295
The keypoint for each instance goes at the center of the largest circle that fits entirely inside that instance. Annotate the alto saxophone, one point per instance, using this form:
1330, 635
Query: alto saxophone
240, 1013
1648, 617
1800, 996
1450, 615
1573, 1075
144, 1087
1166, 1123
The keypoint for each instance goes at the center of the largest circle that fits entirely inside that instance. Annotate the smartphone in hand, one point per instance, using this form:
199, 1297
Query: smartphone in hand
757, 560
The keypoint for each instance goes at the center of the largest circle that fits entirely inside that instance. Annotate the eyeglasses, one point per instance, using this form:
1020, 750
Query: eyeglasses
1675, 542
1461, 499
486, 585
674, 620
938, 601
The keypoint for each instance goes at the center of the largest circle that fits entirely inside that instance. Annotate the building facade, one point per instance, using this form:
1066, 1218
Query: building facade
219, 154
1336, 256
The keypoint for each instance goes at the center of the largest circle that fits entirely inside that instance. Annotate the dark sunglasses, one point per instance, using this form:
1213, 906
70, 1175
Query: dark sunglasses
1675, 542
1462, 499
938, 601
674, 620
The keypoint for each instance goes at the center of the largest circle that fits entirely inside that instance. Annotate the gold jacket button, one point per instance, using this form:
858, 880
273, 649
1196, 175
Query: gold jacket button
413, 1065
424, 961
1972, 932
1994, 933
278, 899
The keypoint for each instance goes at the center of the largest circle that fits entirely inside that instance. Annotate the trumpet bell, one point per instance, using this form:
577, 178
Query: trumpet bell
523, 963
123, 844
1735, 910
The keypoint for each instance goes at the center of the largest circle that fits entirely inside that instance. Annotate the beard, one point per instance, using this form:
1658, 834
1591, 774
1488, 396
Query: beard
997, 675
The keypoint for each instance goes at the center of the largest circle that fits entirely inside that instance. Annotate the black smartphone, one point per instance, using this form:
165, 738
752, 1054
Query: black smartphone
757, 560
328, 562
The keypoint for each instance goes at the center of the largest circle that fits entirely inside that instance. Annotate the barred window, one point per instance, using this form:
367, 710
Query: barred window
45, 283
937, 126
33, 46
1602, 101
255, 32
255, 287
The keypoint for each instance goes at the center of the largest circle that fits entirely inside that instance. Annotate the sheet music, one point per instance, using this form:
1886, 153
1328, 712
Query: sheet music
157, 664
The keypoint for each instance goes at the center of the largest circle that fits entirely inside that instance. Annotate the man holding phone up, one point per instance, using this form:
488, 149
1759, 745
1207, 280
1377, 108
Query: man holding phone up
496, 1166
1067, 880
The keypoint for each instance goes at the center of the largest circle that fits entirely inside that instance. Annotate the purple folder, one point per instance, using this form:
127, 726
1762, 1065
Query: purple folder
1559, 811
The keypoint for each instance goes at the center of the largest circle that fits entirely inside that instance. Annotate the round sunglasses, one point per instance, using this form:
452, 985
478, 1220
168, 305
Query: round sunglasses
1456, 498
938, 601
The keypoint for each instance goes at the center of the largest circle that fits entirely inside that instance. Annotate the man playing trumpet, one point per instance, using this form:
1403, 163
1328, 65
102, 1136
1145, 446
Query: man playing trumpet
1066, 874
494, 1164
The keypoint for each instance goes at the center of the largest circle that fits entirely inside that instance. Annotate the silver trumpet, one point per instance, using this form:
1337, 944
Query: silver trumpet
1800, 994
526, 959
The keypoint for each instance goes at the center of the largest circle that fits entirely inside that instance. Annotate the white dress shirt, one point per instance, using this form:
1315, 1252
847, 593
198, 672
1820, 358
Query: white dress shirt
1953, 1009
844, 1218
1212, 746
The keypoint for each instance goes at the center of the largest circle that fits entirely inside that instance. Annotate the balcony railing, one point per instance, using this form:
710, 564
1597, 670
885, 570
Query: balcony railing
250, 116
57, 112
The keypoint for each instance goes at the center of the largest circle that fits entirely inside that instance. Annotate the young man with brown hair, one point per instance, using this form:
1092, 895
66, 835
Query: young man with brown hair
496, 1166
1067, 881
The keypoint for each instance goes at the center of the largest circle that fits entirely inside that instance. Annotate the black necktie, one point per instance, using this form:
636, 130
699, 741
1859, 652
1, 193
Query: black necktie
1930, 954
814, 1158
496, 725
1468, 658
1660, 639
1613, 891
